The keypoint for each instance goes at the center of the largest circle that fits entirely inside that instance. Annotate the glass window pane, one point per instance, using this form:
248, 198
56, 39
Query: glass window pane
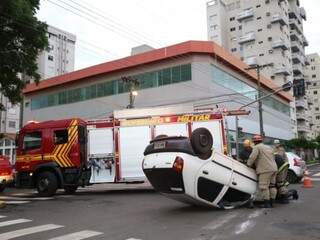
186, 72
91, 92
176, 74
166, 73
63, 97
32, 141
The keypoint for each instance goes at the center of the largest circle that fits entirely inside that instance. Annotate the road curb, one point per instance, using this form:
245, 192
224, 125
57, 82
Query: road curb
2, 204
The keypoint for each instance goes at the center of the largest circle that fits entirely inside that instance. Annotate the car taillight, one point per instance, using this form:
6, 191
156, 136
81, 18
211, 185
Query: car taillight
178, 164
297, 162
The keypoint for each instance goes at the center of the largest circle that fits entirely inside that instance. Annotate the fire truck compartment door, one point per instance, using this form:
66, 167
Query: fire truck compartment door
100, 141
133, 141
100, 153
215, 129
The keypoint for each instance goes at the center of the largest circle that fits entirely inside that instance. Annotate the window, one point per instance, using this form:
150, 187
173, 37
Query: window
269, 26
7, 142
176, 74
258, 6
258, 18
32, 141
12, 124
232, 29
260, 42
60, 136
270, 51
318, 117
315, 92
232, 19
261, 54
269, 39
313, 68
317, 109
50, 58
268, 14
233, 49
260, 30
314, 76
240, 27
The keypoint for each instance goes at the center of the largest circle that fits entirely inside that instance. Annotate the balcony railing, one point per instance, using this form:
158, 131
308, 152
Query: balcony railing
294, 23
294, 35
296, 47
249, 37
282, 70
280, 43
251, 61
297, 69
279, 18
301, 104
303, 128
298, 58
303, 13
301, 116
245, 14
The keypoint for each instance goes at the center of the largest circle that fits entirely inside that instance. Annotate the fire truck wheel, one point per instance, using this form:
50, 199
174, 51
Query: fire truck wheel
47, 184
201, 141
70, 189
2, 187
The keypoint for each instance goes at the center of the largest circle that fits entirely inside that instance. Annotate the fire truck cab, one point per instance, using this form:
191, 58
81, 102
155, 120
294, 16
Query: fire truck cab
52, 155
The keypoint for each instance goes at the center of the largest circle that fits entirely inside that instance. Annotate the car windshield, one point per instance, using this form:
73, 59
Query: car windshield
291, 154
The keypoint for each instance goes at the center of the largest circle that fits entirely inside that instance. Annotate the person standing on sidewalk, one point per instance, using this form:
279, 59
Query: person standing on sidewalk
262, 158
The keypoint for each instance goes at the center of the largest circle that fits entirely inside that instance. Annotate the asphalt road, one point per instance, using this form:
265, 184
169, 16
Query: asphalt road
136, 212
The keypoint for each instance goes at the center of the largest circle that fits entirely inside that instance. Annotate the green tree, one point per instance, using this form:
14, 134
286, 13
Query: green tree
22, 38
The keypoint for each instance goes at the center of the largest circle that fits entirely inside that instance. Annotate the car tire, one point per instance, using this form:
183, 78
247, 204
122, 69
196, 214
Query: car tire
70, 189
47, 184
202, 141
2, 187
292, 177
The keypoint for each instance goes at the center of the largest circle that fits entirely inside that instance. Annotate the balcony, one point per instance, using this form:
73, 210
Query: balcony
303, 128
251, 61
301, 116
280, 43
297, 58
294, 35
279, 18
303, 13
282, 70
305, 41
295, 25
293, 13
306, 61
301, 103
296, 47
297, 69
249, 37
245, 14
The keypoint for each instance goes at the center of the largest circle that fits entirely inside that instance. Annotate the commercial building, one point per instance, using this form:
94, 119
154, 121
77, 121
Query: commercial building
313, 91
200, 73
59, 58
263, 32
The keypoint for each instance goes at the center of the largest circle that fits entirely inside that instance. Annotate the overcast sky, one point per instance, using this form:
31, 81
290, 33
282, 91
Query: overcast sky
108, 29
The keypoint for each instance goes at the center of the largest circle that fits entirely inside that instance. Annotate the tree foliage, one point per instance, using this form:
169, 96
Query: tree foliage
303, 143
22, 38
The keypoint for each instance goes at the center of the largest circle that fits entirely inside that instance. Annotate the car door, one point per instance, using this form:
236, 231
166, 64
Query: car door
213, 179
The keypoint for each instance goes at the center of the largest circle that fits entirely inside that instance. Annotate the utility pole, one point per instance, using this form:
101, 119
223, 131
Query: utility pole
133, 84
258, 69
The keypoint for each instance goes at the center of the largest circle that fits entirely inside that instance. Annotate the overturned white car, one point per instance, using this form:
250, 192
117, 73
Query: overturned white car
188, 170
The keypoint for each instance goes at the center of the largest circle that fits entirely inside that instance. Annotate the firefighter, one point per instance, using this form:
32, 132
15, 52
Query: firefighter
283, 166
262, 158
245, 153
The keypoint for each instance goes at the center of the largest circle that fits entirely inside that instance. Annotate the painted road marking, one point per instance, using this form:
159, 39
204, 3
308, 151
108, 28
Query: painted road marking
316, 175
26, 198
28, 231
16, 202
12, 222
219, 222
315, 179
2, 216
78, 235
248, 224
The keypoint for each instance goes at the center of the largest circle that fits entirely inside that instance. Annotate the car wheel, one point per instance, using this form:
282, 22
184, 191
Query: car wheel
202, 141
2, 187
292, 177
47, 184
70, 189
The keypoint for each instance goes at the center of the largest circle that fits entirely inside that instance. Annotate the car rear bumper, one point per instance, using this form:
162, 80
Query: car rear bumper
165, 180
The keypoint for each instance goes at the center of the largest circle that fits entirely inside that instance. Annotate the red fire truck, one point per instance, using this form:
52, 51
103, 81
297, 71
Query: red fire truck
73, 152
6, 175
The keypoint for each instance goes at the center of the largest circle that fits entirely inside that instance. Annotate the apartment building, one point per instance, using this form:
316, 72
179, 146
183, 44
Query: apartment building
59, 58
313, 91
263, 32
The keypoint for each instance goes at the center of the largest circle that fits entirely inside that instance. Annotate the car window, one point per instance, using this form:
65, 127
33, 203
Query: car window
60, 136
32, 141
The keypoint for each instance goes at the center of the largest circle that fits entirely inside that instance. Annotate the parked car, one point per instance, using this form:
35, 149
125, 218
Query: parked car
296, 169
189, 171
6, 172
